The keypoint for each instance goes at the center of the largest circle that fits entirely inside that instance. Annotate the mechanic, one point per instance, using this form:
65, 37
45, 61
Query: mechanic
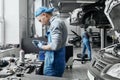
54, 63
86, 45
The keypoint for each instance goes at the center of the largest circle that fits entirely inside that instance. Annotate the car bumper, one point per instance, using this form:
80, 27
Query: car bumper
90, 76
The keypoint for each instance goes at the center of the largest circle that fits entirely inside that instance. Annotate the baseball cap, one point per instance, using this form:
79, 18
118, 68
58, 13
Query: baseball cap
41, 10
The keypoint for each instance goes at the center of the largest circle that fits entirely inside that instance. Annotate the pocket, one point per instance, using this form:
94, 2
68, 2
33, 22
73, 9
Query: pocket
41, 55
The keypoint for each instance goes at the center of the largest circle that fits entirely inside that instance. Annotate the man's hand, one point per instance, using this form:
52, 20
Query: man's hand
37, 43
40, 45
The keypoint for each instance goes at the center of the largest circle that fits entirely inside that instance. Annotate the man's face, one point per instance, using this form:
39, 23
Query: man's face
43, 18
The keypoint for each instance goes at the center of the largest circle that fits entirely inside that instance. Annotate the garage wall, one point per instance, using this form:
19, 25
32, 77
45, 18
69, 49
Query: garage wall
11, 9
38, 25
77, 29
15, 20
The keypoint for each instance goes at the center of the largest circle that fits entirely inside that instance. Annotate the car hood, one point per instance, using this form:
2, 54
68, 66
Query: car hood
112, 11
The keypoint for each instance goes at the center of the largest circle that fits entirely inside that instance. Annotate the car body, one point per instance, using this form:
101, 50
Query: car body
102, 63
106, 64
90, 14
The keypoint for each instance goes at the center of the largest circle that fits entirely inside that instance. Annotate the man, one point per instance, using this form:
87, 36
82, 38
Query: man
86, 45
54, 64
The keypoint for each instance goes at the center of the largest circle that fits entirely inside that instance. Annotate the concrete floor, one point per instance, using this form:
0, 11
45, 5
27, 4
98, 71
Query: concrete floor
79, 71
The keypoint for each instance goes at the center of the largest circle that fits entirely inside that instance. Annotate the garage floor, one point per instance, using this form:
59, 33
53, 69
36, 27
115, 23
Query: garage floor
79, 71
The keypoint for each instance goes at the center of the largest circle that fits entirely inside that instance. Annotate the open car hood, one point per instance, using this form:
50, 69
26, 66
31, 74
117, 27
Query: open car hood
112, 11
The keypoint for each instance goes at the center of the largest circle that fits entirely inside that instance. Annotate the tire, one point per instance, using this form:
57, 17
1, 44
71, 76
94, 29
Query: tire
90, 22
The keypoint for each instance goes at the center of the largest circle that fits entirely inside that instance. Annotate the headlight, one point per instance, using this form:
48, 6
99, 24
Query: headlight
114, 71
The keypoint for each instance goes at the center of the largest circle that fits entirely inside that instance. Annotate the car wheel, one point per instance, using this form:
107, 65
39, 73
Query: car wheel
90, 21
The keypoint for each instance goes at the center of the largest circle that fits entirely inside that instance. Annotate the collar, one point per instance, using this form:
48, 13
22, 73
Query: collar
51, 19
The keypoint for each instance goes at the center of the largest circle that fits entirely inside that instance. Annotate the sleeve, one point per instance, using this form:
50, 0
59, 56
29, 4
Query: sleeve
56, 36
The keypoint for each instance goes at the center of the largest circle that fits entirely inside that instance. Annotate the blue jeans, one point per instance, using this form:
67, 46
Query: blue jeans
86, 45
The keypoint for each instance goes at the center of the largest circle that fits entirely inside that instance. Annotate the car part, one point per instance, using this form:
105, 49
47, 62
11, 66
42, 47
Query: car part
112, 11
76, 41
89, 15
105, 65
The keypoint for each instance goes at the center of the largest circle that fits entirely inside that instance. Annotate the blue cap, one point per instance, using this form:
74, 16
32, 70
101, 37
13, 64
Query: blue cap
43, 10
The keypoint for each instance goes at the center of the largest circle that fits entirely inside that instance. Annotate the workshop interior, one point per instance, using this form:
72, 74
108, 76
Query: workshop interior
21, 60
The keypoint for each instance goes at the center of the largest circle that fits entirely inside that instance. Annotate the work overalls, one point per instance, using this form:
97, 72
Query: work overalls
54, 60
86, 45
